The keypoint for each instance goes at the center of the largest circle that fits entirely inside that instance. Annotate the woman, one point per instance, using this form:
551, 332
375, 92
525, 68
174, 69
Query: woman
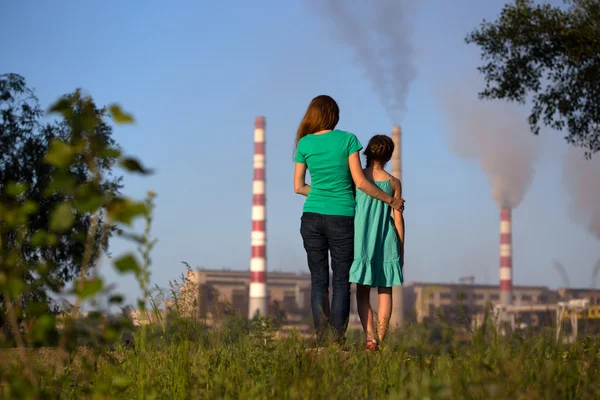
327, 224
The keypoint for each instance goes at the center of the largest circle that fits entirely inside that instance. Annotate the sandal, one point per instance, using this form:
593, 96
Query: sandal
372, 345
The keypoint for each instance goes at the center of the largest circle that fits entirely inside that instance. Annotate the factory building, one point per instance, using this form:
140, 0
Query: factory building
288, 294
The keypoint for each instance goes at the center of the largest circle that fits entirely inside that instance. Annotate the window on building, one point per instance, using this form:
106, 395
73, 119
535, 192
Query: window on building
526, 297
495, 297
289, 302
446, 295
479, 296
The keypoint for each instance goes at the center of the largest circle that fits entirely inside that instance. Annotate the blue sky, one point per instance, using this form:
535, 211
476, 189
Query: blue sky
196, 73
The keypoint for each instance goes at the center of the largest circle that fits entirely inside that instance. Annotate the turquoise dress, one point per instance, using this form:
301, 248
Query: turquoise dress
377, 261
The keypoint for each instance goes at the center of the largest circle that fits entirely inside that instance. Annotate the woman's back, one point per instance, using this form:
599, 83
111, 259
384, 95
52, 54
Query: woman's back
326, 157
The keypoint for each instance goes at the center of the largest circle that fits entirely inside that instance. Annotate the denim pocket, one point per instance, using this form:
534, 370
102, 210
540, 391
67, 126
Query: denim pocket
342, 222
309, 217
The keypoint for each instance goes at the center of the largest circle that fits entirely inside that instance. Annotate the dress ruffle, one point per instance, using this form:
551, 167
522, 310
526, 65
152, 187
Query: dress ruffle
376, 273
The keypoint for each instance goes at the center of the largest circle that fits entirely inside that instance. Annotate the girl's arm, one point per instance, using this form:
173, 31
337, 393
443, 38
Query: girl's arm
363, 183
300, 185
398, 215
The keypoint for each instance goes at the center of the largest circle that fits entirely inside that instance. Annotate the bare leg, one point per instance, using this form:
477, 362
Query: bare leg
385, 311
365, 312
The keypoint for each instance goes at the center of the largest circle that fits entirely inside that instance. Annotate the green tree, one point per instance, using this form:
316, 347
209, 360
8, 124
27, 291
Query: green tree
551, 56
24, 143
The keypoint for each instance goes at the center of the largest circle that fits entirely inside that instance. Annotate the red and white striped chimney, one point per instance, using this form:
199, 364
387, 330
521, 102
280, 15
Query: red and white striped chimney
258, 261
505, 257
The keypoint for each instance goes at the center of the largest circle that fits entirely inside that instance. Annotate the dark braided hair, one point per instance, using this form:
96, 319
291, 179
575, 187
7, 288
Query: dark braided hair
380, 149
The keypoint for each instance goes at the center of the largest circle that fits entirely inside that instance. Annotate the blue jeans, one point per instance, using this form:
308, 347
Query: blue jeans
324, 234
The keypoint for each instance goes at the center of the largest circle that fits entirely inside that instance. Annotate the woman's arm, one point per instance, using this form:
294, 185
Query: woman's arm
361, 182
300, 185
398, 215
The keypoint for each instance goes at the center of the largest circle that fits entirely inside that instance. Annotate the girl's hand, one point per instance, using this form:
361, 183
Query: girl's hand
397, 204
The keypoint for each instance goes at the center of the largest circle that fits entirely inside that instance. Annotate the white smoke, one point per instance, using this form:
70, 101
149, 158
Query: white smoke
380, 33
582, 180
497, 135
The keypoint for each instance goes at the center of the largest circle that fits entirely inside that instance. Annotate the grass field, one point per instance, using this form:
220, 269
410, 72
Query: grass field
188, 361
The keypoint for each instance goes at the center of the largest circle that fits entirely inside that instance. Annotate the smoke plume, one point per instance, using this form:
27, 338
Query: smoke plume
582, 180
497, 135
379, 32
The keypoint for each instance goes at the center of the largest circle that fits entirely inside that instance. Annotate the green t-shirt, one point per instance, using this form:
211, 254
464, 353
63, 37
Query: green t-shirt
326, 157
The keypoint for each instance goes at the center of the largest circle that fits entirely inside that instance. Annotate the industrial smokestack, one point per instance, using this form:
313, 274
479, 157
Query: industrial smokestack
498, 137
397, 317
505, 257
595, 272
258, 261
397, 155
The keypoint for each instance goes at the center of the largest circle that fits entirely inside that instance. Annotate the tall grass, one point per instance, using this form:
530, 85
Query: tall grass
186, 359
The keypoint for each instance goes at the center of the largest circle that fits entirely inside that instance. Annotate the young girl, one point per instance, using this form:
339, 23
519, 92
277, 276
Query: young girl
327, 224
378, 242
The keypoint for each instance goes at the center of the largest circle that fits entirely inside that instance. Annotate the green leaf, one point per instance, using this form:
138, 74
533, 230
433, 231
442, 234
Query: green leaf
90, 288
52, 240
119, 115
109, 152
62, 218
90, 203
111, 334
43, 268
133, 165
35, 309
16, 189
10, 218
88, 197
43, 327
115, 299
62, 106
62, 182
39, 238
134, 237
29, 207
127, 263
95, 316
16, 286
121, 382
125, 210
60, 154
13, 258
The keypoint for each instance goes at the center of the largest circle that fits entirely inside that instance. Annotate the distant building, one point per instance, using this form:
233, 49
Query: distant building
455, 301
593, 295
207, 292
